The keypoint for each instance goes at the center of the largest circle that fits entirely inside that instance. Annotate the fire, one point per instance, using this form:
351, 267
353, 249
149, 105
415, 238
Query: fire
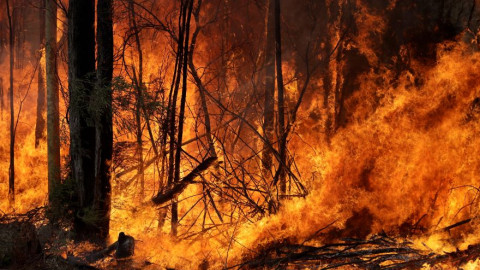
399, 156
31, 162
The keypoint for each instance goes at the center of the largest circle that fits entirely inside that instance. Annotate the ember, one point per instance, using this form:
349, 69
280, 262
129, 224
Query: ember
257, 134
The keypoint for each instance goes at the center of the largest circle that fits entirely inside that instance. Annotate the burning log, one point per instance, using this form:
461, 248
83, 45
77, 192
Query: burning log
182, 185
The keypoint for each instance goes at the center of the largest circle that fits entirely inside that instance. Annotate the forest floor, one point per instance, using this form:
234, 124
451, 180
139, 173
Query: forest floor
28, 241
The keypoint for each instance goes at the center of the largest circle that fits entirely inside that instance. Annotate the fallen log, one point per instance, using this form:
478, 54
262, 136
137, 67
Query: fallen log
182, 185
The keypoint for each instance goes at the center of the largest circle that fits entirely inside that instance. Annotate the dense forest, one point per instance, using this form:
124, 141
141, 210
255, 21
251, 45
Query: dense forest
239, 134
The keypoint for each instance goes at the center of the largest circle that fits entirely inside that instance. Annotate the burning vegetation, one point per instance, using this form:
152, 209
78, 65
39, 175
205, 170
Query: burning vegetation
259, 134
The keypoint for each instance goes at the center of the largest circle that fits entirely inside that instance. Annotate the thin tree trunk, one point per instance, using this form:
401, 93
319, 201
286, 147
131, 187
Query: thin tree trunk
40, 124
11, 171
104, 124
53, 123
172, 111
281, 105
181, 115
269, 103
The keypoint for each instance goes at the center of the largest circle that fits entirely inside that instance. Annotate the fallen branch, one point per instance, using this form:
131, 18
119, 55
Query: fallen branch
378, 252
182, 185
457, 224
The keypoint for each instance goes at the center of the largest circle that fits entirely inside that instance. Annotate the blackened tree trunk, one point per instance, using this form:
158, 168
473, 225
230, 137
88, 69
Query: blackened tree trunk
281, 104
269, 103
171, 114
183, 100
40, 124
53, 122
11, 171
81, 65
104, 126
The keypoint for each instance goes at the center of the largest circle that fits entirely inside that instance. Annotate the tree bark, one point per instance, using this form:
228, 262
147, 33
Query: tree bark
81, 64
53, 122
281, 105
104, 124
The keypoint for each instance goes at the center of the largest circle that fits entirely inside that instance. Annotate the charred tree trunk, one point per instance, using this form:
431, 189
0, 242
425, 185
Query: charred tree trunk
53, 122
181, 115
172, 109
282, 145
81, 64
104, 125
269, 104
11, 171
40, 124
